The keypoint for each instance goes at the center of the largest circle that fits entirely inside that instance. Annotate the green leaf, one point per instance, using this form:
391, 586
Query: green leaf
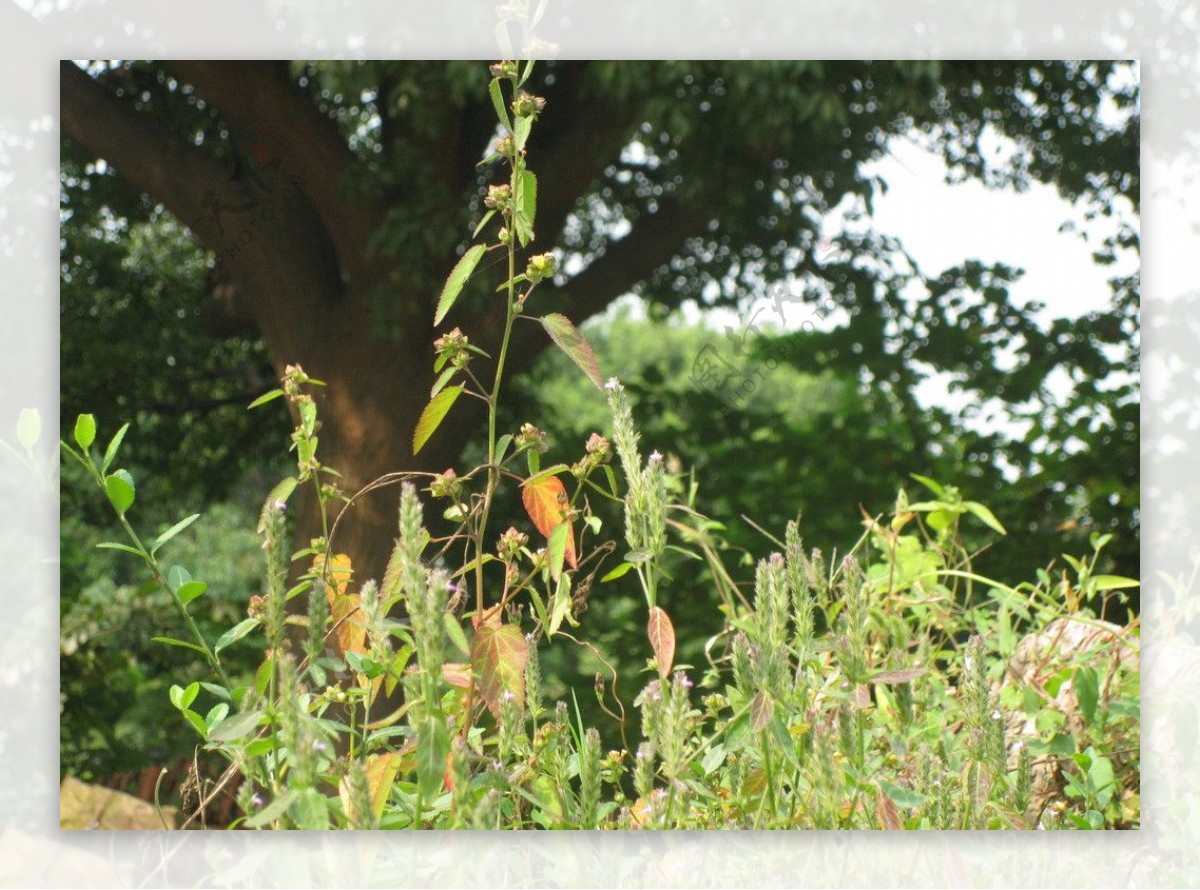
433, 415
713, 759
433, 744
443, 379
182, 644
283, 490
172, 532
902, 797
271, 811
191, 590
120, 490
526, 206
455, 632
556, 548
498, 103
933, 486
219, 691
984, 515
483, 222
198, 722
29, 428
456, 280
502, 446
562, 602
177, 576
1087, 692
236, 727
264, 398
567, 337
110, 452
85, 431
235, 633
1114, 582
111, 545
617, 572
183, 698
521, 131
216, 714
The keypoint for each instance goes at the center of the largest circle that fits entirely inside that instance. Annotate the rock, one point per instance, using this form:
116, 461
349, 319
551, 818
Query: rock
84, 806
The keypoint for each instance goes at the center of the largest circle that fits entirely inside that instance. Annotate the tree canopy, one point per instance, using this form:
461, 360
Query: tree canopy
222, 220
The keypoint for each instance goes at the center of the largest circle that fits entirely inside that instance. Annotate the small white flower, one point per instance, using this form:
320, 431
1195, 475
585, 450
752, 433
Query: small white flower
995, 715
655, 457
279, 505
613, 384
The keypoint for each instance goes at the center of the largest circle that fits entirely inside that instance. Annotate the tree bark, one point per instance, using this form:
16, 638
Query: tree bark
293, 250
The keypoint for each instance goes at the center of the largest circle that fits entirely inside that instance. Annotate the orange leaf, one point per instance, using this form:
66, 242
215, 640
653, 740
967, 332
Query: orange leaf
885, 812
343, 606
547, 504
662, 640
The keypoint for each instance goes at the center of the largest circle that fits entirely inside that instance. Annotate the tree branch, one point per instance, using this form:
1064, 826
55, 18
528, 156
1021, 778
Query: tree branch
264, 106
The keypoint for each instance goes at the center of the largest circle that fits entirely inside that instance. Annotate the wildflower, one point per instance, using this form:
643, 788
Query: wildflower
544, 265
613, 384
499, 197
532, 437
446, 485
655, 457
526, 105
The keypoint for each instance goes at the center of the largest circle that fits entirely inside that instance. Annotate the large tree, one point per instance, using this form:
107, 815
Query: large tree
329, 200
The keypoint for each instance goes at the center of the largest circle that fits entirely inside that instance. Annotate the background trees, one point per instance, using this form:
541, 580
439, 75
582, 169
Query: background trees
224, 219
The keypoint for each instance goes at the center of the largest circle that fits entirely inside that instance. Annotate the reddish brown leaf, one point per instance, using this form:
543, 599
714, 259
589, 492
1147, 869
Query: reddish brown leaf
662, 640
762, 708
570, 341
547, 504
498, 657
885, 812
897, 677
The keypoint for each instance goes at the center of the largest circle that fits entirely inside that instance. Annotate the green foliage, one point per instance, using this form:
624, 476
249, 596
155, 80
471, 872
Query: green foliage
864, 691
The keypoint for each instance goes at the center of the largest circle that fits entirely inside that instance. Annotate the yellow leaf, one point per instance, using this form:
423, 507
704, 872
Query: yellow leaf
351, 634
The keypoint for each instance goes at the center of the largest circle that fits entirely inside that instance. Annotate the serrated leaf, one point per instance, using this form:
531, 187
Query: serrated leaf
433, 415
547, 504
567, 337
662, 640
529, 189
381, 775
762, 709
456, 280
443, 379
498, 658
190, 591
433, 745
483, 222
521, 131
110, 452
556, 548
498, 102
119, 487
502, 446
455, 633
173, 531
29, 427
265, 397
984, 515
235, 727
310, 810
351, 635
885, 812
85, 431
235, 633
